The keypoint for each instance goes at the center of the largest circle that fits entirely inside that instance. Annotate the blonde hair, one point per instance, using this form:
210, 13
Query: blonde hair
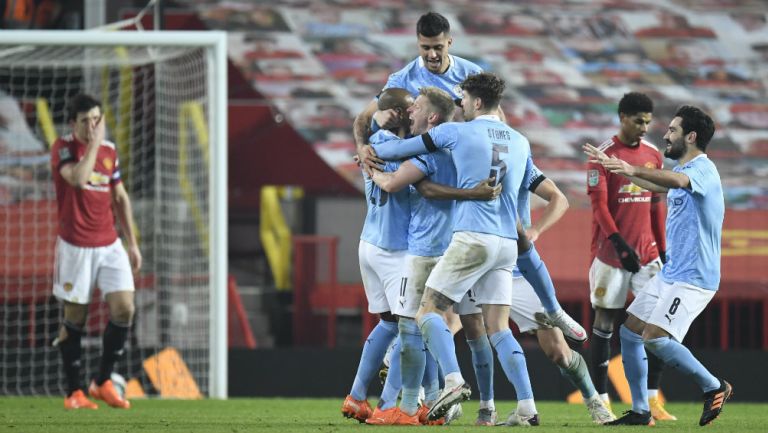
440, 100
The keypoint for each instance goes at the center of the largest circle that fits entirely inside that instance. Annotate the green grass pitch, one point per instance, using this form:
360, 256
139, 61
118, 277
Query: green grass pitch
31, 415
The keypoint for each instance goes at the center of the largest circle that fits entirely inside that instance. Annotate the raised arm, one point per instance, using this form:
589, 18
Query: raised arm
652, 179
78, 173
361, 130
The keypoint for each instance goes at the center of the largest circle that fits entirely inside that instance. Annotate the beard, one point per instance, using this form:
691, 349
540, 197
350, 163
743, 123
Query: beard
675, 149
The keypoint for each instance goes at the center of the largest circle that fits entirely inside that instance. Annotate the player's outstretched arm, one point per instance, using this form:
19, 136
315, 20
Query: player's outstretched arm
405, 175
619, 166
124, 212
484, 190
556, 206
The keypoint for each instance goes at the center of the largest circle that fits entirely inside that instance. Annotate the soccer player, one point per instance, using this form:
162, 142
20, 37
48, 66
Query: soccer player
433, 67
527, 310
429, 234
663, 311
484, 244
86, 174
627, 239
436, 67
383, 244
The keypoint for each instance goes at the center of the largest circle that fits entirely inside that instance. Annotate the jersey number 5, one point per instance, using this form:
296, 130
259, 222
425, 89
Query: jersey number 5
498, 167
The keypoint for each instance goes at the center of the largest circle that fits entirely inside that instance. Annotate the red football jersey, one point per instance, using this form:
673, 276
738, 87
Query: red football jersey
85, 214
628, 204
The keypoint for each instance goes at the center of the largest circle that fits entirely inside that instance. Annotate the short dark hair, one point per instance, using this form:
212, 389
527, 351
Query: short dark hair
635, 102
394, 98
696, 120
432, 24
81, 103
487, 86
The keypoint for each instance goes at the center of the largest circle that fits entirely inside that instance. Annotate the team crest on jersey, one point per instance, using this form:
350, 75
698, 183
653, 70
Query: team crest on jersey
457, 91
649, 164
593, 177
64, 153
108, 164
600, 292
67, 287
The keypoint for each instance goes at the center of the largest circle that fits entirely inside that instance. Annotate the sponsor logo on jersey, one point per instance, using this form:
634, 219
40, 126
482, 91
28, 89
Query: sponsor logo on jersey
649, 164
98, 179
631, 188
593, 177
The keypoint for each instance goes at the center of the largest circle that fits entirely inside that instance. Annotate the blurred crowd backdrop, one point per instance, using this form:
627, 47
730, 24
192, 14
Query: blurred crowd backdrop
566, 62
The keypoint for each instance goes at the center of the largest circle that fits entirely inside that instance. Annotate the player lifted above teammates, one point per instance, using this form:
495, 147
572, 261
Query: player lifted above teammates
627, 239
664, 309
86, 173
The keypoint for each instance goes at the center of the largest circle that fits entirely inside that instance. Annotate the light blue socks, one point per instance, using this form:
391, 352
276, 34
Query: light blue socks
678, 356
512, 361
535, 272
635, 368
482, 361
373, 354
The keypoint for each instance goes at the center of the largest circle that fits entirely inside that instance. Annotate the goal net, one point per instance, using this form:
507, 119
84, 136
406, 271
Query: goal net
163, 95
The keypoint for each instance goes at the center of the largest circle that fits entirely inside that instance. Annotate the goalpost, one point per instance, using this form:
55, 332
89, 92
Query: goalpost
164, 96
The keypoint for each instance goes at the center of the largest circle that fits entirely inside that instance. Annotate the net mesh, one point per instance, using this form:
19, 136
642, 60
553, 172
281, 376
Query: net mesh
156, 105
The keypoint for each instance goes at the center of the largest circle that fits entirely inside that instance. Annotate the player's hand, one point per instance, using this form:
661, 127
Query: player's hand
95, 133
486, 190
619, 166
368, 159
134, 255
595, 155
532, 234
628, 257
387, 119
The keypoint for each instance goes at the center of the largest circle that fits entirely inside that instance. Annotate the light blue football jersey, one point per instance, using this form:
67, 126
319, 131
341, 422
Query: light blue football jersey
480, 148
389, 214
415, 75
694, 226
431, 220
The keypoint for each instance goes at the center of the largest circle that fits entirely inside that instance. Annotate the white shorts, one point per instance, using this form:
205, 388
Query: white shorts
525, 305
608, 286
417, 270
382, 273
78, 270
469, 257
468, 304
494, 288
671, 307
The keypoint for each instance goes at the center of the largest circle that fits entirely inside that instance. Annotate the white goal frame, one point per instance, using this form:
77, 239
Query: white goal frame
215, 43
